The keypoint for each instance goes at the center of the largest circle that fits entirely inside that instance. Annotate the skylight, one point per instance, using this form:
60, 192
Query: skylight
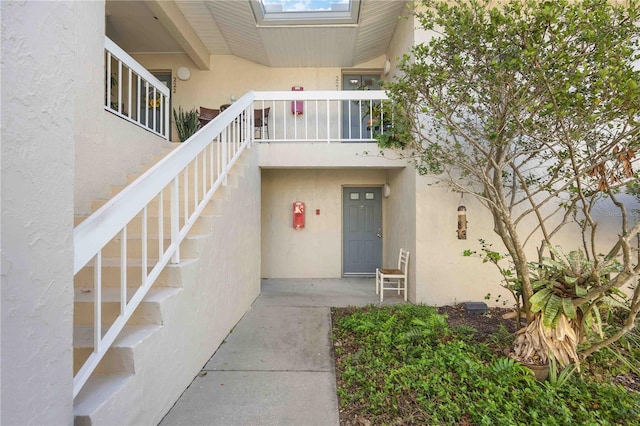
305, 12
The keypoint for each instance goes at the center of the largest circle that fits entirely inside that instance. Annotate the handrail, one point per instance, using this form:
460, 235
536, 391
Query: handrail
326, 116
139, 96
189, 176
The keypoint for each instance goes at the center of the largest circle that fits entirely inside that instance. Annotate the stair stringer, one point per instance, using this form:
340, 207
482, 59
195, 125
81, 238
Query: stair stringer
218, 288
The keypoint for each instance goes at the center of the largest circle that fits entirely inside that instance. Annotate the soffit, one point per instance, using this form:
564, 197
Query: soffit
228, 27
133, 27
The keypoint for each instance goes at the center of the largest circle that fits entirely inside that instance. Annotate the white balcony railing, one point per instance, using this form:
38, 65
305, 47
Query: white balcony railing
133, 93
325, 116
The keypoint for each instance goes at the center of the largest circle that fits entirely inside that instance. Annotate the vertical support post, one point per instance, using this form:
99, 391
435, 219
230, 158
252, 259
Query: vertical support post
186, 194
196, 172
119, 86
167, 117
107, 101
329, 122
160, 224
145, 237
175, 213
146, 104
129, 106
97, 303
138, 100
123, 270
225, 160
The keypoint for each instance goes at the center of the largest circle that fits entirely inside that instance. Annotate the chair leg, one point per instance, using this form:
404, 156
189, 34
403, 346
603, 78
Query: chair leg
405, 289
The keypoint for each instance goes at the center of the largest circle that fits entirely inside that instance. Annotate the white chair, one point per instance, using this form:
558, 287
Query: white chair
393, 279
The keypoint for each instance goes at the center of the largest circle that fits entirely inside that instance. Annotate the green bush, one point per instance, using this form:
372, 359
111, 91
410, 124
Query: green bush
404, 365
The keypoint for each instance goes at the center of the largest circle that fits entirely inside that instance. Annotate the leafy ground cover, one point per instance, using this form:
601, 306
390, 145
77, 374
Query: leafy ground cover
409, 364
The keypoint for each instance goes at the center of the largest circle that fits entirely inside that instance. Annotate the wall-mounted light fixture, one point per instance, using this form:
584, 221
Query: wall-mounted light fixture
184, 73
386, 190
387, 66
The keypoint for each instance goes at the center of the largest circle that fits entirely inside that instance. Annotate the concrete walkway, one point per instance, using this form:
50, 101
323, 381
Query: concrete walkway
276, 367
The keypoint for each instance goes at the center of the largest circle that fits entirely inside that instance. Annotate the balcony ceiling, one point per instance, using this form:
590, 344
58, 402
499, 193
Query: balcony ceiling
228, 27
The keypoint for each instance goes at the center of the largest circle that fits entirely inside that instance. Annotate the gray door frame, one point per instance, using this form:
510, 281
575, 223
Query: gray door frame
361, 254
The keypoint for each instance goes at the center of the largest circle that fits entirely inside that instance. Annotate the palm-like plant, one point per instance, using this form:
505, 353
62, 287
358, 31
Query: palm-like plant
186, 122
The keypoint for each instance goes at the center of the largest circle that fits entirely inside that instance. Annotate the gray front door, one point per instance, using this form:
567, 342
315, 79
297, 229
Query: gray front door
362, 229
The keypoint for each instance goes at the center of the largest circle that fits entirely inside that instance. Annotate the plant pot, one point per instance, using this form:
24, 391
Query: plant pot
541, 371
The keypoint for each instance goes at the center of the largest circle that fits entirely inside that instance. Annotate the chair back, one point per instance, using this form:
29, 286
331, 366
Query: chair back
403, 260
207, 114
259, 115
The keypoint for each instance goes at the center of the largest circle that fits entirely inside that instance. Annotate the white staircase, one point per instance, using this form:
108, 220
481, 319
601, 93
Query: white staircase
143, 372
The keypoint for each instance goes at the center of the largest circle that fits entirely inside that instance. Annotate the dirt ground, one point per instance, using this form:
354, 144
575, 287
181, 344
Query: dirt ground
485, 325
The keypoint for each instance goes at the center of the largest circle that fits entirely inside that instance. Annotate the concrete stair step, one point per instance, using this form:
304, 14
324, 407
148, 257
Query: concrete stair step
95, 394
119, 359
148, 312
202, 225
232, 177
152, 207
190, 248
171, 275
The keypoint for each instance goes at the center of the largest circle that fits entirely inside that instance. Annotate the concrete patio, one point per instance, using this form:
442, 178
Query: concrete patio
276, 367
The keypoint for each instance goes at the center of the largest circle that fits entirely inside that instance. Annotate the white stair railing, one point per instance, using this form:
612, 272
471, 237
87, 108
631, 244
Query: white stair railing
185, 181
133, 93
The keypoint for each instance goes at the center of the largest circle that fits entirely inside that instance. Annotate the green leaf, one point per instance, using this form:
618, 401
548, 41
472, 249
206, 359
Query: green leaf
581, 291
539, 283
551, 310
539, 299
568, 308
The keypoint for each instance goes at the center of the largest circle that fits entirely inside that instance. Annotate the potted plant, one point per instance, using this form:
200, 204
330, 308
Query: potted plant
186, 122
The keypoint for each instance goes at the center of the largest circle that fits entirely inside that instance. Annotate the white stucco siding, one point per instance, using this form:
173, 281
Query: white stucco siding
316, 250
444, 275
40, 51
105, 159
402, 40
217, 291
400, 225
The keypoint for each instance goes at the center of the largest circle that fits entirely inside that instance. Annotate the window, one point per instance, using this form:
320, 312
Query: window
306, 12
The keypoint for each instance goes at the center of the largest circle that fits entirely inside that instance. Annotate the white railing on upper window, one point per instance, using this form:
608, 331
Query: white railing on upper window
323, 116
133, 93
161, 205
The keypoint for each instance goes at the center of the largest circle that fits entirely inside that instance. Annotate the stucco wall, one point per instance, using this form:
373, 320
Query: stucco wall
41, 48
217, 293
104, 159
316, 250
400, 225
403, 38
444, 275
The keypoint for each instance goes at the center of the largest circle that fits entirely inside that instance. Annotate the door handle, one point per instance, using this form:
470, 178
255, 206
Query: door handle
379, 234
